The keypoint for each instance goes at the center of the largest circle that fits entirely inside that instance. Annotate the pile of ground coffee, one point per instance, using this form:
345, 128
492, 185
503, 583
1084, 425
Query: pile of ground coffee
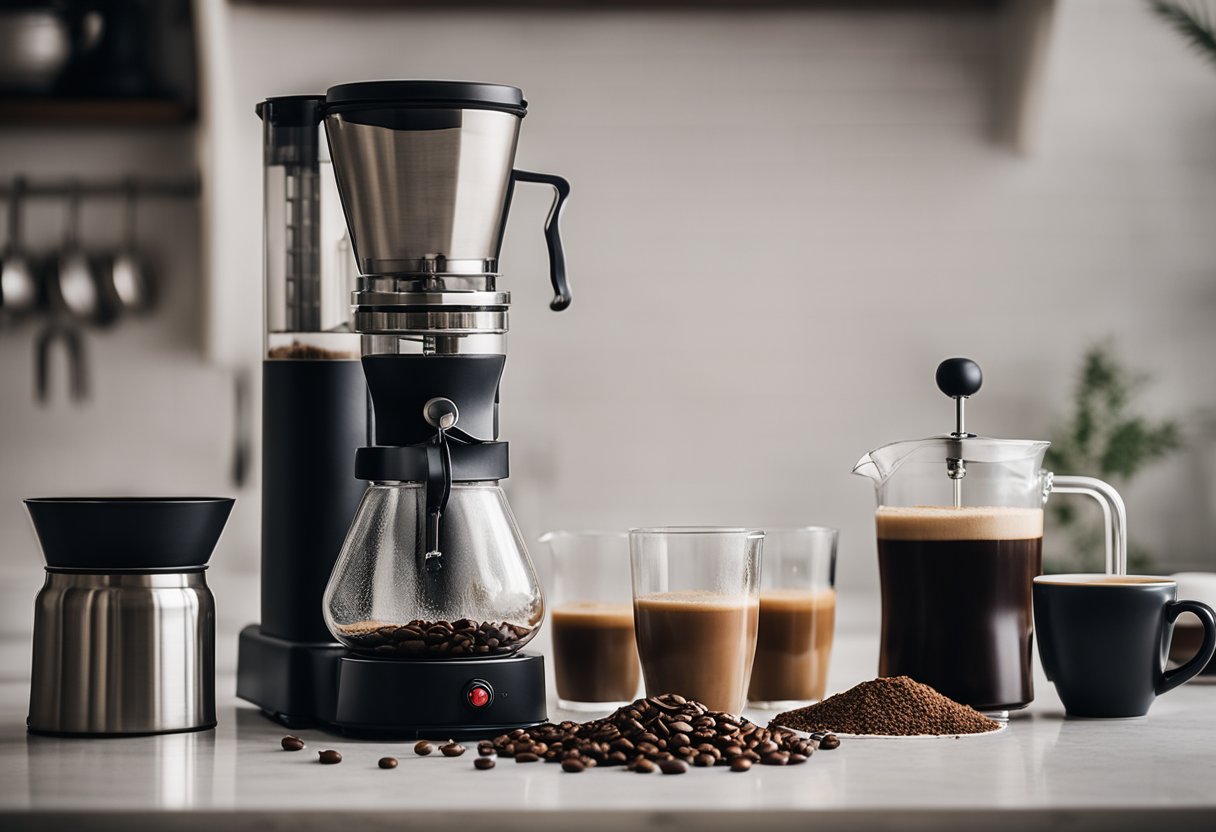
666, 732
895, 706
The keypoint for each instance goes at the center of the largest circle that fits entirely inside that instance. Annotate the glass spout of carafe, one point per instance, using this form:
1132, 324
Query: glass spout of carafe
389, 596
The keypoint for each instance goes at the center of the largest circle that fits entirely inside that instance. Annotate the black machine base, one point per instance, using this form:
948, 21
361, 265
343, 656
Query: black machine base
327, 686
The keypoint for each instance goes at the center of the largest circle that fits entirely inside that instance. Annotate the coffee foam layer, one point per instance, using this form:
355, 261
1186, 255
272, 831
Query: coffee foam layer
592, 612
925, 523
797, 599
696, 598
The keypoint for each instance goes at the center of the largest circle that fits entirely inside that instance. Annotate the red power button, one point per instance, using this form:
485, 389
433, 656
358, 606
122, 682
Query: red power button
479, 694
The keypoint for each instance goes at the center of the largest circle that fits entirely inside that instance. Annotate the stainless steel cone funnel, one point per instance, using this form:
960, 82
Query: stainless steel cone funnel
425, 173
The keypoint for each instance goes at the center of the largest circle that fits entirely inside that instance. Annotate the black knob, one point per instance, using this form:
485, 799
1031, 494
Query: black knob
959, 377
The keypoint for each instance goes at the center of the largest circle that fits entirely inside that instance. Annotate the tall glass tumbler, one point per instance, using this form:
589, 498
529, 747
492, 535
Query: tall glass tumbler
696, 607
595, 657
797, 617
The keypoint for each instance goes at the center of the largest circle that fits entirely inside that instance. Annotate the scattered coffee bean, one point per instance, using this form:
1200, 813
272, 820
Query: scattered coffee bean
796, 759
527, 757
703, 760
775, 758
829, 742
329, 757
483, 763
292, 743
464, 637
673, 766
740, 764
388, 762
571, 764
485, 748
422, 748
452, 749
644, 766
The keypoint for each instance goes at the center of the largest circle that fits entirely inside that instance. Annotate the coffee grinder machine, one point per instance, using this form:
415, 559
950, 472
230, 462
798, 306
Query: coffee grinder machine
433, 595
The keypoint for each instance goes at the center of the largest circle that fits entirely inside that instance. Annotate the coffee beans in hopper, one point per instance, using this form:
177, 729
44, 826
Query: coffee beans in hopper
437, 639
666, 732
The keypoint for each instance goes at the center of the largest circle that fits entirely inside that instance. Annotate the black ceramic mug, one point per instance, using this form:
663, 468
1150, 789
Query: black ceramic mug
1104, 640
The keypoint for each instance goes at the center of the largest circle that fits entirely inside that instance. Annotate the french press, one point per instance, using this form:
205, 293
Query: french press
960, 540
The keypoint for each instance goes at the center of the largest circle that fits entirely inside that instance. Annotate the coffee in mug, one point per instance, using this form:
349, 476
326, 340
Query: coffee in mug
1103, 640
793, 645
699, 644
594, 652
696, 606
956, 608
595, 657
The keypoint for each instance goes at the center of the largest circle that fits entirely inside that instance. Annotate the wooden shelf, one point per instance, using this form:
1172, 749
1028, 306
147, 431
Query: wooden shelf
640, 5
93, 112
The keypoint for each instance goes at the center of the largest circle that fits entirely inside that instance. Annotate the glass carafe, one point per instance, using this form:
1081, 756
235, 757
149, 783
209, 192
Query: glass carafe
960, 534
387, 598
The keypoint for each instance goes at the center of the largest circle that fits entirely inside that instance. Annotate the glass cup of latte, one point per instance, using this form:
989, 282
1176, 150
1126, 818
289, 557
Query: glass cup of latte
595, 658
797, 617
696, 602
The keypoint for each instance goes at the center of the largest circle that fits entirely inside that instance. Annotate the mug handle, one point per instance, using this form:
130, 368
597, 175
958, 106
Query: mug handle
1173, 678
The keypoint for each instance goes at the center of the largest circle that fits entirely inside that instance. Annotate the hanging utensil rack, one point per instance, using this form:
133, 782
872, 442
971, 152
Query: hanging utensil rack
104, 189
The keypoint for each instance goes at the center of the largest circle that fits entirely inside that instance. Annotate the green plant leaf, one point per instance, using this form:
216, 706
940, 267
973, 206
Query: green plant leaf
1192, 22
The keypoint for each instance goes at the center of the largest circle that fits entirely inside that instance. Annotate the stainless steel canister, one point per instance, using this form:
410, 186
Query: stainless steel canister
123, 653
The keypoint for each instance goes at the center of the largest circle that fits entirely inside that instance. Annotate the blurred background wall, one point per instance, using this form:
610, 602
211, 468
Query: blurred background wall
782, 220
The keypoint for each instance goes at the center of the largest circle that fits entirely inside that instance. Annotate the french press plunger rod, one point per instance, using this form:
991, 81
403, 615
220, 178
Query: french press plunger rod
959, 378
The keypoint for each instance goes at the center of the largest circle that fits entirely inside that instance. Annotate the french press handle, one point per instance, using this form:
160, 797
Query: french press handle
553, 235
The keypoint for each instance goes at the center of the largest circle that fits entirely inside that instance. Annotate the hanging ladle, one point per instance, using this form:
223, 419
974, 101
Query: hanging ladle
72, 297
18, 283
129, 281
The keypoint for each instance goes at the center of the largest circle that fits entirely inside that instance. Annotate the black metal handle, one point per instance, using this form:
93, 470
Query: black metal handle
1173, 678
553, 236
442, 414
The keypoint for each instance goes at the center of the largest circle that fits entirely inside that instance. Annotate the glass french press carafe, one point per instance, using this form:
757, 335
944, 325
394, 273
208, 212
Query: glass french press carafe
960, 540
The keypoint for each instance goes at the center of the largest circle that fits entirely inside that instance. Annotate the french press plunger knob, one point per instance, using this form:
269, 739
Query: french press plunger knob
959, 378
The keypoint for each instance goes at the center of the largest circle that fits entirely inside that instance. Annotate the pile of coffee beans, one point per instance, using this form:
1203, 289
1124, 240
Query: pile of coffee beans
435, 639
299, 351
896, 706
667, 732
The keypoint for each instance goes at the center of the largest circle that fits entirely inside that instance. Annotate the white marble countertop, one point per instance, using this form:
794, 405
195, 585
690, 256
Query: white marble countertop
1042, 772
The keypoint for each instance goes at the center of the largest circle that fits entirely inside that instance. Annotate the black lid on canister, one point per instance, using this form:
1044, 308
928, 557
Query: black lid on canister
291, 133
435, 94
